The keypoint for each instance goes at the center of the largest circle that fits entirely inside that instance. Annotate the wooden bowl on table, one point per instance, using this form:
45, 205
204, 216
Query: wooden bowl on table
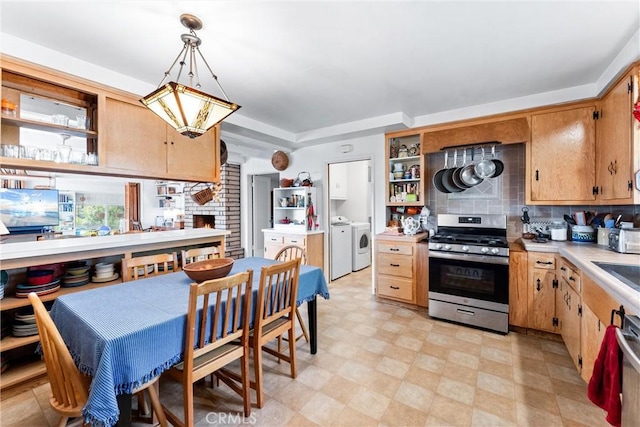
208, 269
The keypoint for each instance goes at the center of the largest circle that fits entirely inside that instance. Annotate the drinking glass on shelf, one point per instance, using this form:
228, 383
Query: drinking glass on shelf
92, 159
61, 119
81, 121
64, 151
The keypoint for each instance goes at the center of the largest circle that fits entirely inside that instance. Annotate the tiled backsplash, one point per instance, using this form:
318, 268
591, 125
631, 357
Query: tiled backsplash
501, 195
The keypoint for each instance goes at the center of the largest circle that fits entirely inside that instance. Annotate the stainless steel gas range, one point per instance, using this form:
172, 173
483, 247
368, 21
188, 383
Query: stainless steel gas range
469, 271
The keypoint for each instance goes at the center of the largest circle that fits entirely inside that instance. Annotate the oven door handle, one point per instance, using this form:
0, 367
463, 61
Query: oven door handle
470, 257
626, 349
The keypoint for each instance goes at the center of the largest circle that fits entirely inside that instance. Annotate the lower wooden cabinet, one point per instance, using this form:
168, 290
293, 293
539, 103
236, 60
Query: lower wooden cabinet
313, 244
597, 306
402, 269
541, 307
568, 313
518, 286
592, 333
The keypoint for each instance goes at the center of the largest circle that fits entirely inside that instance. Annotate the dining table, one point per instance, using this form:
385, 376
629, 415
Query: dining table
126, 334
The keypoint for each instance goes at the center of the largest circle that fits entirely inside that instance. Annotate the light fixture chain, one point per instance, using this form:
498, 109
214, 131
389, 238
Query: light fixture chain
215, 78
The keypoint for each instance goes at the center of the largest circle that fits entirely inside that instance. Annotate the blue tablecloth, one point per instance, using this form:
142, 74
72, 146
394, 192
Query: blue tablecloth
126, 334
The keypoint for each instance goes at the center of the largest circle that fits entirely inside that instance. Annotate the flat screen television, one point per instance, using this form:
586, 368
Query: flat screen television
28, 210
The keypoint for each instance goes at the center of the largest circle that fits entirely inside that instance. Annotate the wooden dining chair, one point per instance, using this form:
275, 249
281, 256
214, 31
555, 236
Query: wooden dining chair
148, 265
274, 316
199, 254
69, 387
215, 336
287, 253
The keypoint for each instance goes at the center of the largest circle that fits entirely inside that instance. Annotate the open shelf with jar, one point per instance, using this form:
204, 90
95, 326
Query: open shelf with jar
292, 207
405, 170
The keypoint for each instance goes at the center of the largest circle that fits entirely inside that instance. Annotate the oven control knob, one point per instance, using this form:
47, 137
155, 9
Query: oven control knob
447, 247
465, 248
495, 251
484, 250
438, 245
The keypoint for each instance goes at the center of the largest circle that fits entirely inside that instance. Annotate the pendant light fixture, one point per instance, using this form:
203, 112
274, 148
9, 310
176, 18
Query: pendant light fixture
187, 109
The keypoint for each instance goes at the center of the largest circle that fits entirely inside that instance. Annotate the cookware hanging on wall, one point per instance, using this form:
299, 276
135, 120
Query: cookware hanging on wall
437, 178
447, 179
457, 174
468, 175
499, 164
485, 168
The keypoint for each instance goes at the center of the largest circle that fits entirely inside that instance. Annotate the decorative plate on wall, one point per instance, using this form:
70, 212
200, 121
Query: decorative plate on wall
280, 160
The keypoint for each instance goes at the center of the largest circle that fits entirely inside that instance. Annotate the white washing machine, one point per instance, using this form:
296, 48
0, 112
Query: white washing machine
361, 245
341, 244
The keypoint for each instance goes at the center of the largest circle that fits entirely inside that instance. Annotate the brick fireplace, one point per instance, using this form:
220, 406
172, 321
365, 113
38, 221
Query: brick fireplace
204, 221
224, 214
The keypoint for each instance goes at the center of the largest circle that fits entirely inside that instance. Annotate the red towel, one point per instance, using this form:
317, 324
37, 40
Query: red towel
605, 384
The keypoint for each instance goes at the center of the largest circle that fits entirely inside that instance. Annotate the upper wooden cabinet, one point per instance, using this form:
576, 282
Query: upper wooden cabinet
120, 137
561, 157
615, 146
38, 114
140, 142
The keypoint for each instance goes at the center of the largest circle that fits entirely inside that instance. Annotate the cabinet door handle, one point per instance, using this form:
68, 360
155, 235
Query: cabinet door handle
394, 249
394, 287
537, 175
538, 287
563, 269
394, 265
572, 278
544, 262
294, 241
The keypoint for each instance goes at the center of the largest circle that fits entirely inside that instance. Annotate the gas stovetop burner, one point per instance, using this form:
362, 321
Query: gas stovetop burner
471, 239
461, 235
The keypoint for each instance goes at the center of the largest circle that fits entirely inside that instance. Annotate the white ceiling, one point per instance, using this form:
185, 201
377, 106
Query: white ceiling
307, 72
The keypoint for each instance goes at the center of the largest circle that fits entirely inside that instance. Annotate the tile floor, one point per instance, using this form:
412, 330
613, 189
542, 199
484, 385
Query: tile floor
383, 365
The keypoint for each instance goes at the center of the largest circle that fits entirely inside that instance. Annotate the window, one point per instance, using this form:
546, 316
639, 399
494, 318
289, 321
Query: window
93, 216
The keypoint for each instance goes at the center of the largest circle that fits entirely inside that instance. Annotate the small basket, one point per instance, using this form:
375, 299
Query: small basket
205, 195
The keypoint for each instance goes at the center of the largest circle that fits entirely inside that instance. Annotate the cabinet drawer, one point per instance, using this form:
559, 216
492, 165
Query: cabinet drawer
273, 238
571, 275
395, 265
295, 240
542, 260
395, 287
395, 249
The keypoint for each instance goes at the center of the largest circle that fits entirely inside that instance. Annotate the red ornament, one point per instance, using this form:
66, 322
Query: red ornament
636, 110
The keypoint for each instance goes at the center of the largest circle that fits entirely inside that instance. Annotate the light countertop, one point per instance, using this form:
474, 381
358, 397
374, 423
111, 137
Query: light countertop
11, 254
283, 231
418, 237
582, 255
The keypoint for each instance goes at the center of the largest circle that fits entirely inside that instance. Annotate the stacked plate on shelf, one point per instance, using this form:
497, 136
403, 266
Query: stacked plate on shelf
24, 321
105, 272
4, 278
24, 324
22, 290
77, 274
